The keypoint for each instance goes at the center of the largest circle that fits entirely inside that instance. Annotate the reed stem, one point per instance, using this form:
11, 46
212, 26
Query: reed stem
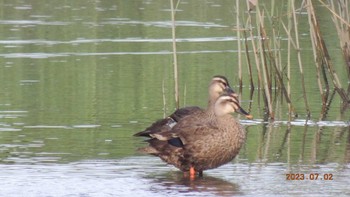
173, 26
298, 50
267, 84
255, 52
289, 57
248, 61
164, 100
238, 32
323, 58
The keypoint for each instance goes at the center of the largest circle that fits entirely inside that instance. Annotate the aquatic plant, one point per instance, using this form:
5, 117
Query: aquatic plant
264, 27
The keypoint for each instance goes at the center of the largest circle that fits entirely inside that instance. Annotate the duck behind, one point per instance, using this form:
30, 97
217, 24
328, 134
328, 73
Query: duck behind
217, 86
203, 141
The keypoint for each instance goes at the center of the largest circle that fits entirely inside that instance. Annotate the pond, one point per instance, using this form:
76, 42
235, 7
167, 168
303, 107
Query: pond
79, 78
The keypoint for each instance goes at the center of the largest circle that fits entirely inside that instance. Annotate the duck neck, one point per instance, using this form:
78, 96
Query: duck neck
211, 102
210, 106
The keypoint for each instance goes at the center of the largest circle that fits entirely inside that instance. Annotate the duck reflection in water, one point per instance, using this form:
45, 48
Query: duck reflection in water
176, 182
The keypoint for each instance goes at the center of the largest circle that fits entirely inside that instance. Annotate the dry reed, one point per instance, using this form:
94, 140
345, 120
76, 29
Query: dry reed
267, 52
322, 58
239, 46
176, 82
272, 77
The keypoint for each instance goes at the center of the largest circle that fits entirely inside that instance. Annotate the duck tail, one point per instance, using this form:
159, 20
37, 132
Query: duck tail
157, 127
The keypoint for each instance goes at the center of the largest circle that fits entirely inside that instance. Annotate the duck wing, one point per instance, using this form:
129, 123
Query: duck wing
172, 146
166, 124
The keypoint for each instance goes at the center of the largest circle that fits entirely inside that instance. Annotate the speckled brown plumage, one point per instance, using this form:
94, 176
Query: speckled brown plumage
217, 85
203, 141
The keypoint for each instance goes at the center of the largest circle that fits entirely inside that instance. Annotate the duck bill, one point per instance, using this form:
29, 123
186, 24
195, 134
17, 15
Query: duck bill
229, 90
241, 111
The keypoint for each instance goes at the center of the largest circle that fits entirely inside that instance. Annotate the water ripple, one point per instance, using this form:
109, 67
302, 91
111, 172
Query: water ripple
297, 122
124, 40
50, 55
32, 22
166, 24
86, 126
46, 127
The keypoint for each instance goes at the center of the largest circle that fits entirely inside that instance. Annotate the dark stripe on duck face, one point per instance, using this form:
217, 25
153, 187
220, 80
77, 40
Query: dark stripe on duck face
235, 102
238, 107
226, 104
229, 99
221, 81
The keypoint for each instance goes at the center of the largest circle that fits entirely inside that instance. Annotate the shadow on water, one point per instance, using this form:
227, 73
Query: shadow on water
176, 182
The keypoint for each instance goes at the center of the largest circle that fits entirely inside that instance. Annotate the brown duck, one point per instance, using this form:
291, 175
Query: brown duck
217, 86
202, 141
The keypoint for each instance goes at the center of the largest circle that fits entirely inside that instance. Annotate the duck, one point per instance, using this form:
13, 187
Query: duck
217, 86
203, 141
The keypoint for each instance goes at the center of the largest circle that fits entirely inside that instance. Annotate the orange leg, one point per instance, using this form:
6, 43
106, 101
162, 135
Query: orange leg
192, 172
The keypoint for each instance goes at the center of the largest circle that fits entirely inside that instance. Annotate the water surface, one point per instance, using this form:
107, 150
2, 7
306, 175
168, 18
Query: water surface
79, 78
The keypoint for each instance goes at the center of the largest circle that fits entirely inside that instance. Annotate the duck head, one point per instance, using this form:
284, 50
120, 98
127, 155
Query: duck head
217, 86
228, 103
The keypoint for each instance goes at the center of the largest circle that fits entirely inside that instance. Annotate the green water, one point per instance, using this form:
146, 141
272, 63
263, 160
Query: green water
78, 78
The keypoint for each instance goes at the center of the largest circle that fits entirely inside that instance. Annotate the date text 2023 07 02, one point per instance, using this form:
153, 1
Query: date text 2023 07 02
310, 176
